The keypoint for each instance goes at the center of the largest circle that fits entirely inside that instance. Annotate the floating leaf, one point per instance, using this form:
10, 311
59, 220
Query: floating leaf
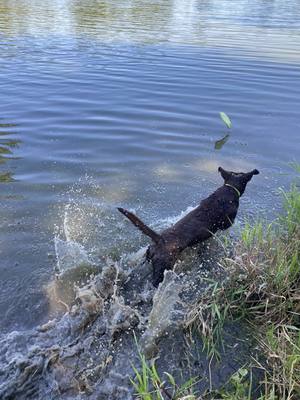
225, 119
220, 143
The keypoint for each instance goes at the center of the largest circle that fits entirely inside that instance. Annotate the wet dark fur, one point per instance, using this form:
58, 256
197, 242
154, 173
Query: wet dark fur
216, 212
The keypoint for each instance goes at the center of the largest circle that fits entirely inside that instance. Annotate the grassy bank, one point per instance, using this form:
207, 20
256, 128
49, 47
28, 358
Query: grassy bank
263, 288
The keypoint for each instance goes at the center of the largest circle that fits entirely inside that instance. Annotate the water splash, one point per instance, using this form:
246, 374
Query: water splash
69, 254
85, 351
166, 314
164, 223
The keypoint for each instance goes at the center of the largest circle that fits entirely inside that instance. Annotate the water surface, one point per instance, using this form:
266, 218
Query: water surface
109, 103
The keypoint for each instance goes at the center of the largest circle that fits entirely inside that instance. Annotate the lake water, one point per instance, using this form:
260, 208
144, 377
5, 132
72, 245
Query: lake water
116, 103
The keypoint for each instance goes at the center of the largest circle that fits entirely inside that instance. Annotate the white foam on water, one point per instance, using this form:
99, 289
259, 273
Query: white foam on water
103, 302
166, 313
98, 322
69, 254
135, 257
164, 223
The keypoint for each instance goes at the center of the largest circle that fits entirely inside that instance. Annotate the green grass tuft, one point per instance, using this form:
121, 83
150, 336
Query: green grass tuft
263, 287
150, 385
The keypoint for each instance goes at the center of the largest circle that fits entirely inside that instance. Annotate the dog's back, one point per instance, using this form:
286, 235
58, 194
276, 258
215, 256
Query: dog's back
218, 211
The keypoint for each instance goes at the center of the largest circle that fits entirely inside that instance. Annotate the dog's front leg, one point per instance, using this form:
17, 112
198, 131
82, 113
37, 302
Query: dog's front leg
160, 262
158, 274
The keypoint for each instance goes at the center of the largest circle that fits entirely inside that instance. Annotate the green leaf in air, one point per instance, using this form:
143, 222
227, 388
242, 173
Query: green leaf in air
225, 119
220, 143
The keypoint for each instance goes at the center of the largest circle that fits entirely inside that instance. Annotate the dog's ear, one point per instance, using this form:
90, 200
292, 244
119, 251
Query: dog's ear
225, 174
249, 175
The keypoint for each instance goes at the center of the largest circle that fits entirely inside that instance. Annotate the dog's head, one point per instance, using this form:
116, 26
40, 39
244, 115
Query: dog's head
237, 179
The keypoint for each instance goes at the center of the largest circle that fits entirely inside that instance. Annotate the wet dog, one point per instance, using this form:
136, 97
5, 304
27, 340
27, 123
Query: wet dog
216, 212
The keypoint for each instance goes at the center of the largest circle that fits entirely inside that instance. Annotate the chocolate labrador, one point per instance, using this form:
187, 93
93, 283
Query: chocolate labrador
216, 212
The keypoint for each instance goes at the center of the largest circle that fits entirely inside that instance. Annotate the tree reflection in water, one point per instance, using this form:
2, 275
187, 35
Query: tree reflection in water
7, 146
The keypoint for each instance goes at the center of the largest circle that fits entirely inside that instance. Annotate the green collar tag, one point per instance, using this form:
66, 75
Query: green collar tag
237, 191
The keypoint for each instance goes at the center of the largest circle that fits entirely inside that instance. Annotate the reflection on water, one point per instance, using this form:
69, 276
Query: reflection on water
7, 146
233, 164
212, 23
6, 177
220, 143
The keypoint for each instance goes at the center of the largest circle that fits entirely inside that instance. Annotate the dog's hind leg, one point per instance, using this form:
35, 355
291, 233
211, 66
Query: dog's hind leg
140, 225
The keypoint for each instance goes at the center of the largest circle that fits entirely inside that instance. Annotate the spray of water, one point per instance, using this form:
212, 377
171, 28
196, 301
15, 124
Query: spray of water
86, 350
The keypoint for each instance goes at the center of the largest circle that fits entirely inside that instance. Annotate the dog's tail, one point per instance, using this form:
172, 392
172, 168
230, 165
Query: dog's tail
140, 225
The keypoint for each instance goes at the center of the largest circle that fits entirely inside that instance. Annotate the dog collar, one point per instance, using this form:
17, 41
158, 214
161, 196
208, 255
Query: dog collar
237, 191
